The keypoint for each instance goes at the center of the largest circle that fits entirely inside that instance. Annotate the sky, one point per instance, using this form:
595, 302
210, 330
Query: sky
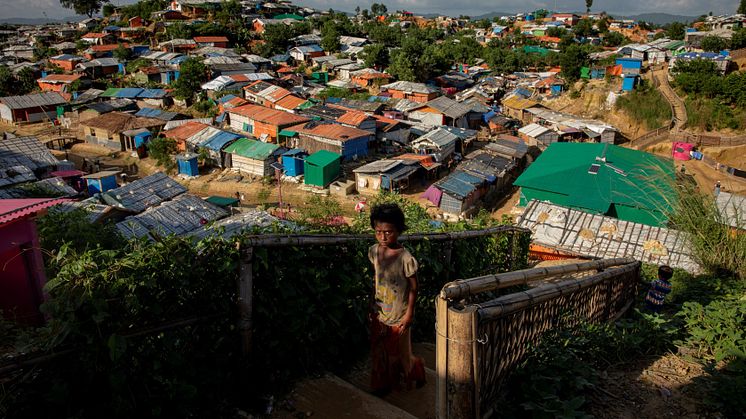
52, 8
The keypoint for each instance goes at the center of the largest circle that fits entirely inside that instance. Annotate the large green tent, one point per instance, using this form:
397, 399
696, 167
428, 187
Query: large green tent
604, 179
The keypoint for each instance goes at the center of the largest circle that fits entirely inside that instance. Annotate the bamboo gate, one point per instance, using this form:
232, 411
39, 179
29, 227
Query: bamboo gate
480, 339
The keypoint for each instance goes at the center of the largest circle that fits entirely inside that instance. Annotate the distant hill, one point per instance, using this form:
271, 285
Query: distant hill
492, 15
659, 18
37, 21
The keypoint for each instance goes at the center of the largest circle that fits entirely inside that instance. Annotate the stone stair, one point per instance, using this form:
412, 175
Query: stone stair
333, 397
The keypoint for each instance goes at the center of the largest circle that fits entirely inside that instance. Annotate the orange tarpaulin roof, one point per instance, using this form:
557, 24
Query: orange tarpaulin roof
614, 70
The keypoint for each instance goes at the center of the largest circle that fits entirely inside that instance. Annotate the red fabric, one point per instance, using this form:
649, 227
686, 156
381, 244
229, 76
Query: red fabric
387, 371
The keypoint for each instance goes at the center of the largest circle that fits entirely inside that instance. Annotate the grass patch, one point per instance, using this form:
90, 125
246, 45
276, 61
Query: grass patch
710, 114
646, 104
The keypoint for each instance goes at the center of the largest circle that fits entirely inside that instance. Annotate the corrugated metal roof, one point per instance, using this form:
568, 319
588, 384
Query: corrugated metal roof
185, 131
440, 137
266, 115
331, 131
47, 99
408, 86
448, 107
14, 209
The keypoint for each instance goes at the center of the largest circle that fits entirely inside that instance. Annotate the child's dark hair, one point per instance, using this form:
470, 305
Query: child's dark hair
665, 272
388, 213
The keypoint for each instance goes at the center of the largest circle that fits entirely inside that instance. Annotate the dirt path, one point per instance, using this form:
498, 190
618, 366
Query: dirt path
677, 105
706, 175
664, 387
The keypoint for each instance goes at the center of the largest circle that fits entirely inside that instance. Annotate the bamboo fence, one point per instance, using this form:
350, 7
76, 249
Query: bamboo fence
479, 344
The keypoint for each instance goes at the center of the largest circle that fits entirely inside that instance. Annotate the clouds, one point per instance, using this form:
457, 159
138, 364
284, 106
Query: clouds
34, 8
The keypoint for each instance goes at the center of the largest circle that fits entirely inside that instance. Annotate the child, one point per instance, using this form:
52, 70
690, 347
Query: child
659, 288
392, 305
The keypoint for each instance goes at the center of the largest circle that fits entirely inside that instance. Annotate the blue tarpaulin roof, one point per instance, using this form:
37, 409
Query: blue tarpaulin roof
179, 60
226, 98
152, 93
129, 92
294, 152
156, 113
220, 140
459, 184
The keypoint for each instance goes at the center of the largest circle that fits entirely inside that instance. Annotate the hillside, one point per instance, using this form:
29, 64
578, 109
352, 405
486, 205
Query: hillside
592, 104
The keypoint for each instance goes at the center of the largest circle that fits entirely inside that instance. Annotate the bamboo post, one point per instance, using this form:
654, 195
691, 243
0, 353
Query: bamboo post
245, 299
441, 357
460, 375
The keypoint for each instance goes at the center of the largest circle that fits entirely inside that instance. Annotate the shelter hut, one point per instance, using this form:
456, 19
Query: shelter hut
101, 181
180, 216
292, 161
187, 163
387, 175
144, 193
23, 278
30, 108
601, 179
252, 156
322, 168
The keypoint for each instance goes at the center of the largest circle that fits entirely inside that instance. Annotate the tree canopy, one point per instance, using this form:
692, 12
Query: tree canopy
193, 74
84, 7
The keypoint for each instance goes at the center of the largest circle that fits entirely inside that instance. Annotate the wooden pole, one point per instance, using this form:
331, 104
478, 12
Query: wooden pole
460, 372
245, 298
441, 354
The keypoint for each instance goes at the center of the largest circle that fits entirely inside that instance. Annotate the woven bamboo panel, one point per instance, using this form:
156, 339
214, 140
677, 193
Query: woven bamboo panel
509, 325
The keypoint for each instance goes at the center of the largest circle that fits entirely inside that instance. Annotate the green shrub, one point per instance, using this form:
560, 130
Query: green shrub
646, 104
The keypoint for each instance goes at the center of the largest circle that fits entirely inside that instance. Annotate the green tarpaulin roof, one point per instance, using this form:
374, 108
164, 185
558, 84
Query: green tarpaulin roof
627, 177
222, 201
322, 158
288, 133
252, 149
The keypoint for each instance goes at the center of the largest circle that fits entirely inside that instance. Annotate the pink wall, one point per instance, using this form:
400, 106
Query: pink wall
22, 276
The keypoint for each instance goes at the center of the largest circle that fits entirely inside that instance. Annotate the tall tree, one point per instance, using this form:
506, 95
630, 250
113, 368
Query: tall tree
572, 60
588, 5
84, 7
6, 81
376, 55
25, 81
193, 74
742, 7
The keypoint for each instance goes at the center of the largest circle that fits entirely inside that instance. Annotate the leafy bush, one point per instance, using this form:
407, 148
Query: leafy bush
717, 331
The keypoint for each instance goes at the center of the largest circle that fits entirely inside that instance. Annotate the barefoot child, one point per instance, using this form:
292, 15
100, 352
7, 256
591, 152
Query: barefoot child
394, 296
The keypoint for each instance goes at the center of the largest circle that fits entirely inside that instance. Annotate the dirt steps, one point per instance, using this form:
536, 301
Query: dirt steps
349, 397
330, 397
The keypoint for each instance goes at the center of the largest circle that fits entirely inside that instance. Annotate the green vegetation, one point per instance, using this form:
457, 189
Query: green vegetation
193, 74
162, 150
713, 101
342, 93
309, 315
704, 320
646, 104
